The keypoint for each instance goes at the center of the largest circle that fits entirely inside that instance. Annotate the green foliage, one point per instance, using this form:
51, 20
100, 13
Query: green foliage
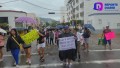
47, 24
53, 24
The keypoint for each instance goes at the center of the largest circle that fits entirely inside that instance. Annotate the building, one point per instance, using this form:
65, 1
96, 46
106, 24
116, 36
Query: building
75, 10
9, 16
99, 13
63, 15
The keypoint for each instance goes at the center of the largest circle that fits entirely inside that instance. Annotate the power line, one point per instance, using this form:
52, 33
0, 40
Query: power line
9, 1
39, 6
31, 4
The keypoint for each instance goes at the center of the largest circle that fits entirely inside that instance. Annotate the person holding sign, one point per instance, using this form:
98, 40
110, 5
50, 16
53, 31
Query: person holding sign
41, 45
105, 31
13, 45
67, 47
27, 49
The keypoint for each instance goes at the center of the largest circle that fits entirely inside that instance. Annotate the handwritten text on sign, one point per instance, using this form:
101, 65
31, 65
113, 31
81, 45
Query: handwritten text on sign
30, 37
110, 35
67, 43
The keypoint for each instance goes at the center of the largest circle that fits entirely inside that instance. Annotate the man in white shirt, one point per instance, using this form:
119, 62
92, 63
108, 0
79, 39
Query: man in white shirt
78, 35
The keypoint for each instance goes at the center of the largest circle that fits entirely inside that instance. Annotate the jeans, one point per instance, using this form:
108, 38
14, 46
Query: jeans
15, 54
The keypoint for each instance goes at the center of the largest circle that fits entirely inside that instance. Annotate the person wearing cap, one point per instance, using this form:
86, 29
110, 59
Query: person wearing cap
70, 54
107, 30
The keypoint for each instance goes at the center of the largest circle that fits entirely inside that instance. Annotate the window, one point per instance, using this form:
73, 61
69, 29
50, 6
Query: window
77, 15
77, 8
118, 24
73, 2
77, 1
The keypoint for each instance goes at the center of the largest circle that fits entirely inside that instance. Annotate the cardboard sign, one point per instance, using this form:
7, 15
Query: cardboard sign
30, 37
110, 35
67, 43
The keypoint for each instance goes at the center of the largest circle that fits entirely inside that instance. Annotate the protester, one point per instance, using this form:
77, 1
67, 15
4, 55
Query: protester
86, 36
47, 37
2, 43
70, 54
107, 30
51, 35
27, 49
78, 35
41, 46
56, 35
13, 44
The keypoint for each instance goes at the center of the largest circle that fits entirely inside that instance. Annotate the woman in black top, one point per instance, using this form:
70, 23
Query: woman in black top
13, 46
41, 46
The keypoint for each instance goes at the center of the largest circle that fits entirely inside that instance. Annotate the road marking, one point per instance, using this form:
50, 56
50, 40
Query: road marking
89, 50
60, 64
104, 50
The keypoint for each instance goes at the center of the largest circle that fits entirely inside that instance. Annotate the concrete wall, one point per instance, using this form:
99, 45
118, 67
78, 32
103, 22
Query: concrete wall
11, 17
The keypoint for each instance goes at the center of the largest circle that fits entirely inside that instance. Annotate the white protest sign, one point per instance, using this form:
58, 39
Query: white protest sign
67, 43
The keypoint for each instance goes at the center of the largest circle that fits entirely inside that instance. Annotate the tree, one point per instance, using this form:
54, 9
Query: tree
53, 24
47, 24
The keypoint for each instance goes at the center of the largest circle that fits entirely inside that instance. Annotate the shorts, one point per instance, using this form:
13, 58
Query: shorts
27, 47
41, 45
107, 41
86, 40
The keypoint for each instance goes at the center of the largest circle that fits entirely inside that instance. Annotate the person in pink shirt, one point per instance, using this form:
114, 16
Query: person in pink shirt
2, 43
56, 35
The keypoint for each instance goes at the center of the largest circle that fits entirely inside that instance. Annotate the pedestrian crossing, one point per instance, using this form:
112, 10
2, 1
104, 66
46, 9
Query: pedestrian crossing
89, 51
74, 63
60, 64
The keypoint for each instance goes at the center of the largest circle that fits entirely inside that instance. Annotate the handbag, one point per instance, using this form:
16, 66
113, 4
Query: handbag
20, 46
100, 41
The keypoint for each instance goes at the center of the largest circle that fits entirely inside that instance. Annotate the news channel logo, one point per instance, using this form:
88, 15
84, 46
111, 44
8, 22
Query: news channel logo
98, 6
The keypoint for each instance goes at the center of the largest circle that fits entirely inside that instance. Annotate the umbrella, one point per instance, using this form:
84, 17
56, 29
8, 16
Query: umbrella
25, 20
59, 26
2, 31
89, 26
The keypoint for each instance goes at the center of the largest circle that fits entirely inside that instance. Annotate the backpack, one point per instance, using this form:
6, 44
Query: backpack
87, 34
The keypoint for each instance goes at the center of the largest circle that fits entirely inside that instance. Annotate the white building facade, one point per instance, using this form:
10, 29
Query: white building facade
75, 9
99, 13
63, 13
11, 15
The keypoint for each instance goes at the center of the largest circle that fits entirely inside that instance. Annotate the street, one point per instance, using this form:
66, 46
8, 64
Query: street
97, 57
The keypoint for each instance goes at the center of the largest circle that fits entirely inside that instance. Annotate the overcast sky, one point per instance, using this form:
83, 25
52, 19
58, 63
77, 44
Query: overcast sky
23, 6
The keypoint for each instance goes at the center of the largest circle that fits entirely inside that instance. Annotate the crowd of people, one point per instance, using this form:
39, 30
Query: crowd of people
49, 38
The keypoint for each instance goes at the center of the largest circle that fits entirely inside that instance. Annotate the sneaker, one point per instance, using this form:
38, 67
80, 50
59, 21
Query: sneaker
14, 64
29, 62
